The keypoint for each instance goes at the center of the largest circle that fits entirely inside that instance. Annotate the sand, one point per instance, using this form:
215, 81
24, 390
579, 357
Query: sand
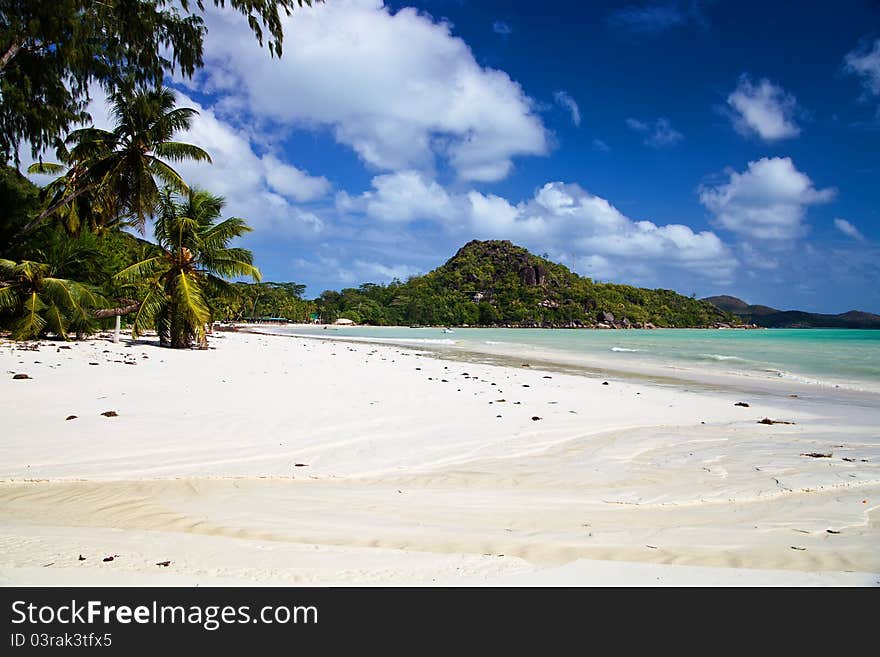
279, 460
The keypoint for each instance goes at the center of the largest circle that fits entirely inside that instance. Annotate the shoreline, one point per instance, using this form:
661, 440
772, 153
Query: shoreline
269, 460
591, 364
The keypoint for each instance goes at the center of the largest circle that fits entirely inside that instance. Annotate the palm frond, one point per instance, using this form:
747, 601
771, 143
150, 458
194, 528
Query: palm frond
151, 309
55, 321
8, 298
178, 152
167, 175
140, 271
45, 168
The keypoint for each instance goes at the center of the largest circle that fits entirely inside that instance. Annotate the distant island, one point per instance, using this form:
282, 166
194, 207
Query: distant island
773, 318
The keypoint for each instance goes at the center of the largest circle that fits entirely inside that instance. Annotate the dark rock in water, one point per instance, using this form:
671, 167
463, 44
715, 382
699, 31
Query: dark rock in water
535, 418
548, 377
604, 383
110, 414
110, 558
817, 455
743, 404
767, 420
82, 558
70, 417
164, 564
526, 365
21, 376
300, 465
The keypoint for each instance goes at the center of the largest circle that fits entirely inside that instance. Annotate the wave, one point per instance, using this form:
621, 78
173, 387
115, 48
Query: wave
419, 340
721, 357
624, 349
492, 342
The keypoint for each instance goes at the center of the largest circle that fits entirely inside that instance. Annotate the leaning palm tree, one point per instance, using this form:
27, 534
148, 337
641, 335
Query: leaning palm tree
195, 260
37, 303
79, 204
126, 162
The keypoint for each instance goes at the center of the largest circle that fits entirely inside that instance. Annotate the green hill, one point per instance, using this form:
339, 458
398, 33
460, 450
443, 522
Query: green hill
495, 283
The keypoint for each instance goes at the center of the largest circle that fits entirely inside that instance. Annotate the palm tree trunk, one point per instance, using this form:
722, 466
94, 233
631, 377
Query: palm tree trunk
132, 306
11, 52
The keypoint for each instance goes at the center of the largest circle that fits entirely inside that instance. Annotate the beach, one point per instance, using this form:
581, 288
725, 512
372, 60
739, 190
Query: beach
286, 460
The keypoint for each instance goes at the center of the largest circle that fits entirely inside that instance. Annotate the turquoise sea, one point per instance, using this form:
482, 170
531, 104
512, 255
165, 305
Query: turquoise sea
833, 356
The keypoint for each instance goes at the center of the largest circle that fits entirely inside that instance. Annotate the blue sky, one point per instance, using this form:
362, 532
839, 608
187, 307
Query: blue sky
708, 147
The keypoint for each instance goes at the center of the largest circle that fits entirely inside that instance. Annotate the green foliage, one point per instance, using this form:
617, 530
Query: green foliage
194, 258
112, 175
34, 302
51, 52
496, 283
248, 300
19, 202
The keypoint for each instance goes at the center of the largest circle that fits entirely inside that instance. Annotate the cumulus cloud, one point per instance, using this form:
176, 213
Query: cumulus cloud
567, 102
848, 229
658, 133
767, 201
397, 88
400, 197
763, 109
563, 219
263, 189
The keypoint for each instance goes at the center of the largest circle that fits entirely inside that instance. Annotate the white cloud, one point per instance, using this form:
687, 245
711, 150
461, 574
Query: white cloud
292, 182
763, 109
655, 17
399, 197
600, 145
564, 100
262, 189
848, 229
502, 28
398, 88
560, 218
865, 63
658, 133
352, 272
768, 201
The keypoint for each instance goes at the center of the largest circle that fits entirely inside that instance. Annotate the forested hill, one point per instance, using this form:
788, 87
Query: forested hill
773, 318
495, 283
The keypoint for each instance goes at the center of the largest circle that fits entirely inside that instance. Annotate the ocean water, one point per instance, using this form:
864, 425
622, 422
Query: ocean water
849, 358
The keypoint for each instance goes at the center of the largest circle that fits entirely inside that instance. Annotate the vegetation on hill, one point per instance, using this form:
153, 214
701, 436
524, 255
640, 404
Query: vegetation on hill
495, 283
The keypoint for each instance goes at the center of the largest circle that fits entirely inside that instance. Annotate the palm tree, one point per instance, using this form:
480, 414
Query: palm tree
195, 259
79, 204
41, 303
125, 163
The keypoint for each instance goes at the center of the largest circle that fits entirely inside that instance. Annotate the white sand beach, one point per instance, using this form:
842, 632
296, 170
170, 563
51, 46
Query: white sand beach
281, 460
